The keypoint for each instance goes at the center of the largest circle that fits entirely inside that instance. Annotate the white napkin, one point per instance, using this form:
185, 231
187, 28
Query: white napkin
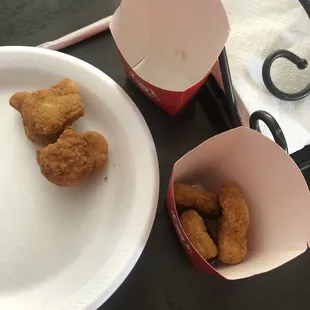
259, 27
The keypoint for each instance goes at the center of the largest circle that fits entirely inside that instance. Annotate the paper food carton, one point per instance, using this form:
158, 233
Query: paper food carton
274, 188
168, 47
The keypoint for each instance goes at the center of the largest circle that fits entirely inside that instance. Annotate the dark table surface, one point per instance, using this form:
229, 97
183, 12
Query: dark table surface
162, 278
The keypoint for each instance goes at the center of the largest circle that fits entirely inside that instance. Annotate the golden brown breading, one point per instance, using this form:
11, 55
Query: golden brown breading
204, 202
233, 224
196, 231
46, 112
17, 100
99, 148
68, 161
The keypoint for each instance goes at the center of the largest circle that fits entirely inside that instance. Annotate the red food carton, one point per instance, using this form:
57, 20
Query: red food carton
274, 188
169, 47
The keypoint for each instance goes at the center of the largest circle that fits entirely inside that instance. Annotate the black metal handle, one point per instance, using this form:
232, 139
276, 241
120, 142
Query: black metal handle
272, 124
229, 90
299, 62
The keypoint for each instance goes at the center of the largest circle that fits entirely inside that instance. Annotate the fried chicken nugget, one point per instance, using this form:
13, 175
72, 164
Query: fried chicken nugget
204, 202
233, 224
73, 157
99, 149
196, 231
68, 161
46, 112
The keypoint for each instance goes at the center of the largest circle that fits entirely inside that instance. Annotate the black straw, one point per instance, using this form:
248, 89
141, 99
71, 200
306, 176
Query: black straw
228, 87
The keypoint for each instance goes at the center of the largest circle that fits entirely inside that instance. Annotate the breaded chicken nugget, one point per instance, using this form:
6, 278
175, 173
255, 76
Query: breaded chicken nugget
46, 112
233, 224
196, 231
73, 157
204, 202
99, 148
68, 161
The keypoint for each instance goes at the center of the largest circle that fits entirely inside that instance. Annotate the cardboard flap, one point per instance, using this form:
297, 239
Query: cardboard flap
128, 25
256, 263
179, 40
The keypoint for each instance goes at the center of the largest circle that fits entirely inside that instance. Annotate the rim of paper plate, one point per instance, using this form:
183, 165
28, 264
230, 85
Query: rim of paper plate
94, 293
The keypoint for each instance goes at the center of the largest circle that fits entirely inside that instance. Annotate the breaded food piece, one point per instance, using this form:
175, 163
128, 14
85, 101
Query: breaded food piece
233, 224
46, 112
68, 161
196, 231
204, 202
73, 157
99, 148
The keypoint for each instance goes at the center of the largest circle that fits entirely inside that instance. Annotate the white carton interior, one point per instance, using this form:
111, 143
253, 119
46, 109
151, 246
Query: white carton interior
275, 190
170, 44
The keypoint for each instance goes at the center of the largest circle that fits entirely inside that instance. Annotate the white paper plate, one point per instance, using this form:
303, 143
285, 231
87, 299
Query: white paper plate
71, 248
